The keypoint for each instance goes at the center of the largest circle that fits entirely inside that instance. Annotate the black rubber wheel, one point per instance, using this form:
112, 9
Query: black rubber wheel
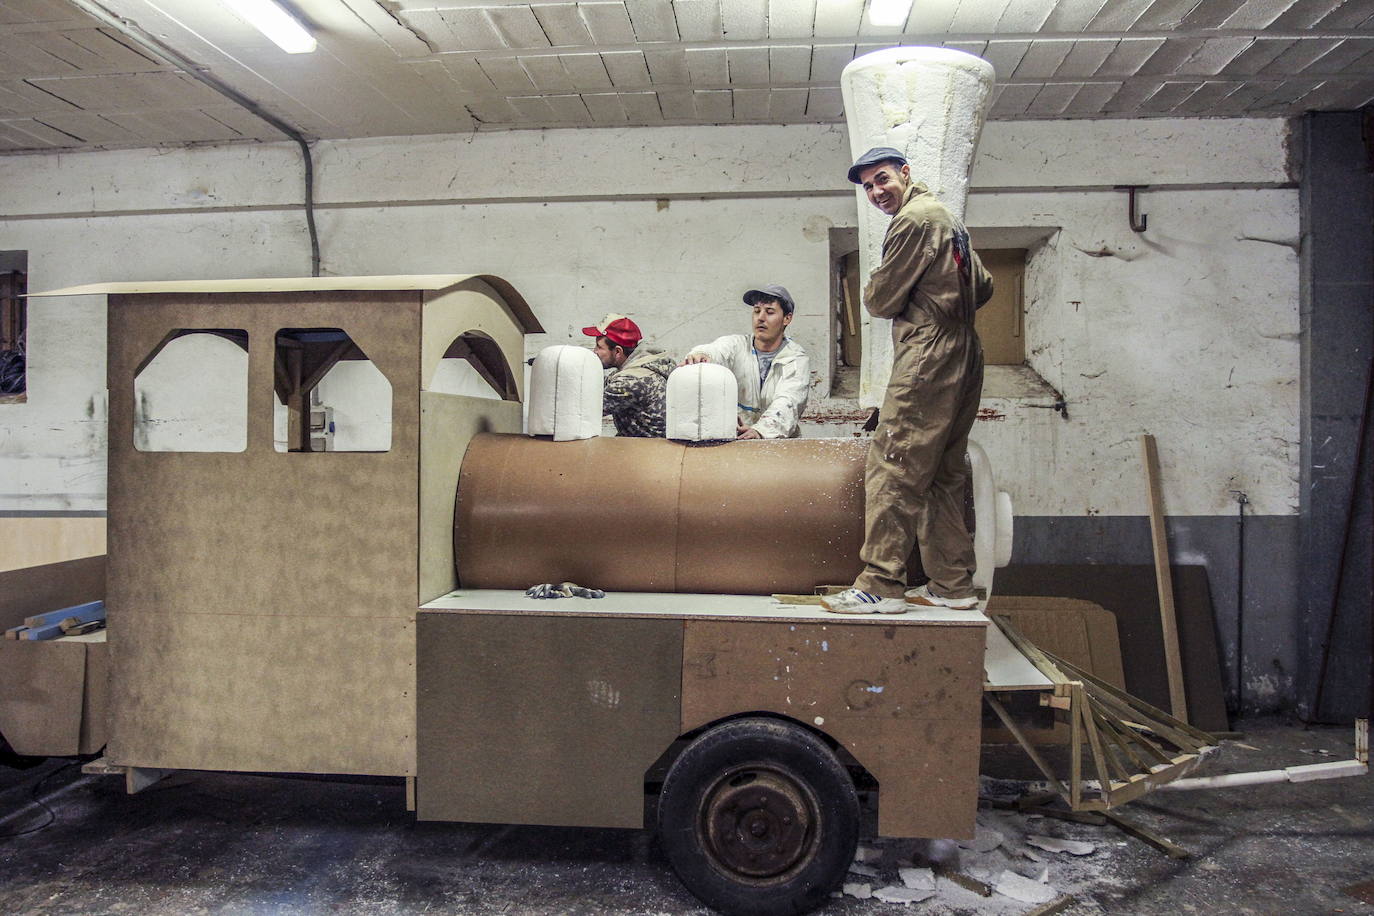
759, 818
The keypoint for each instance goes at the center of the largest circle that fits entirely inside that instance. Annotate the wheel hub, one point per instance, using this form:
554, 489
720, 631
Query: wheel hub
758, 822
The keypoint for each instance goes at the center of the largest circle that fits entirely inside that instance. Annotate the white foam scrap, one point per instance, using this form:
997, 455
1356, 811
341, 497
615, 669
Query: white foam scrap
565, 394
1019, 887
858, 868
867, 854
1055, 844
902, 895
985, 839
701, 403
861, 891
920, 879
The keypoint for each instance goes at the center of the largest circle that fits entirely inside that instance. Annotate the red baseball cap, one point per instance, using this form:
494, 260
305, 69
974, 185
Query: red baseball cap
618, 329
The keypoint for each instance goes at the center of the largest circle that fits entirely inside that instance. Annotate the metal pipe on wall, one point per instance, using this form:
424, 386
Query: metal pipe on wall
133, 31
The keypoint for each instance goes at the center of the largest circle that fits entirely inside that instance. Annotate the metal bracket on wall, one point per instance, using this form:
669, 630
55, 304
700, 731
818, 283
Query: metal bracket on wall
1131, 189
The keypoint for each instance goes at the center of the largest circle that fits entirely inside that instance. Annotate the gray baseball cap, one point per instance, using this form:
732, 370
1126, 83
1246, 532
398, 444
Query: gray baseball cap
873, 157
772, 291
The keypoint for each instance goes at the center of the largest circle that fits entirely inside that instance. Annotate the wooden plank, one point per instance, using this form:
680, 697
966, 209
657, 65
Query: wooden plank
91, 610
1028, 747
1178, 700
1076, 699
1135, 702
1095, 743
1159, 842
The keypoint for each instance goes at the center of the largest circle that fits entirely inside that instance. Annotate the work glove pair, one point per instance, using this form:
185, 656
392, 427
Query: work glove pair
563, 590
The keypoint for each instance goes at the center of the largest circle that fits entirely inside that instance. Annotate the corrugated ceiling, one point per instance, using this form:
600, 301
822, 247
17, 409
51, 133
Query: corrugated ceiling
399, 67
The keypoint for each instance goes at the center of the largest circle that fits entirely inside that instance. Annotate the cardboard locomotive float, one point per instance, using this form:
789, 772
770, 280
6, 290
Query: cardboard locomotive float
278, 605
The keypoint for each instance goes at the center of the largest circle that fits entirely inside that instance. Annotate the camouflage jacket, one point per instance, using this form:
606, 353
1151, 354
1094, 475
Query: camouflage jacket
635, 395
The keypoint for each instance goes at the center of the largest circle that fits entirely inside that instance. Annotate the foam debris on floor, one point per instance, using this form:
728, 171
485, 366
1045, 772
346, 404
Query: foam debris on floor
1025, 861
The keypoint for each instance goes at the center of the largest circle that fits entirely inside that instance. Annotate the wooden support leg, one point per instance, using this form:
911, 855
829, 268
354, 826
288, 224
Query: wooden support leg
136, 779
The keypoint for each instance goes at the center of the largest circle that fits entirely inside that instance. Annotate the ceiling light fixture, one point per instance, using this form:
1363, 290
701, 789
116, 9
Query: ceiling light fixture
276, 23
888, 12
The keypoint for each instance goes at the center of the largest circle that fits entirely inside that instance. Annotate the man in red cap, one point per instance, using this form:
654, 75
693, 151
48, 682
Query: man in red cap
635, 396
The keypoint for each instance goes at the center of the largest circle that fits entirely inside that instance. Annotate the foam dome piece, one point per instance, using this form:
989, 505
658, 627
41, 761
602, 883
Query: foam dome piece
565, 394
701, 403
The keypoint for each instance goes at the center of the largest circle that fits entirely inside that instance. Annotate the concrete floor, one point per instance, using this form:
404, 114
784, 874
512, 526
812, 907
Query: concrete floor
215, 843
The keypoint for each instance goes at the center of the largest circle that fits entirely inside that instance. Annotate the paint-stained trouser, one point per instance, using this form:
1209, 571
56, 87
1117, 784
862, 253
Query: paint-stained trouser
915, 475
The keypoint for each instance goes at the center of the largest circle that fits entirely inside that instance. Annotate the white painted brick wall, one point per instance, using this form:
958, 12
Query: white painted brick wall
1162, 324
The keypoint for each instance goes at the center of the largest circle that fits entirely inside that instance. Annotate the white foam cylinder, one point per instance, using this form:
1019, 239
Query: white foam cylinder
701, 403
565, 394
992, 523
930, 103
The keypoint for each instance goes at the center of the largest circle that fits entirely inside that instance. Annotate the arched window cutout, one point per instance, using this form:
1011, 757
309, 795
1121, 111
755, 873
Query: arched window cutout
330, 396
474, 365
191, 393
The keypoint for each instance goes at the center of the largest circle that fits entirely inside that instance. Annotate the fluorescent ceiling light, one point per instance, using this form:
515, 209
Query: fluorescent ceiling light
888, 12
276, 23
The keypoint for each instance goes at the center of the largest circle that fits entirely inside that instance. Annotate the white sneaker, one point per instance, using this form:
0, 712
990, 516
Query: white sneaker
924, 597
855, 601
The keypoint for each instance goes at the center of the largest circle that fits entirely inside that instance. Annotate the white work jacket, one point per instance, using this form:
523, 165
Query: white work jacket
775, 408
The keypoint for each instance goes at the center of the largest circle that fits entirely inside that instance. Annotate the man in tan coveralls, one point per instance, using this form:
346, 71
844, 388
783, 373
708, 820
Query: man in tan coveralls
930, 283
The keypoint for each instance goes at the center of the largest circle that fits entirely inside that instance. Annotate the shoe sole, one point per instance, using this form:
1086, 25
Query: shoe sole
867, 609
921, 602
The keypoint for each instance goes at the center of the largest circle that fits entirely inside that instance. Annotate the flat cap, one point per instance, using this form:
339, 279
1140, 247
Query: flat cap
873, 157
772, 291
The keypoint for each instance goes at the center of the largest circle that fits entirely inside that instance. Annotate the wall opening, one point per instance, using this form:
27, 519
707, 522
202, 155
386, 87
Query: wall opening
473, 365
14, 284
191, 393
846, 312
330, 396
1001, 321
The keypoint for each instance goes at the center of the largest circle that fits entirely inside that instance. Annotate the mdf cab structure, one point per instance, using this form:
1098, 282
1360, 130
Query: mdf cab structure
262, 602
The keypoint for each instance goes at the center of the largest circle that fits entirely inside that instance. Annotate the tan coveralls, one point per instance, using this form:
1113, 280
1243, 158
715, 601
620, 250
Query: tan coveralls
930, 283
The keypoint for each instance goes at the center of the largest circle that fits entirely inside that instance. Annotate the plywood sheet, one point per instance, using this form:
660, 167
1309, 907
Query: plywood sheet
261, 531
36, 589
447, 424
95, 706
1129, 593
473, 305
543, 720
324, 694
38, 541
1077, 631
903, 700
265, 584
41, 687
687, 606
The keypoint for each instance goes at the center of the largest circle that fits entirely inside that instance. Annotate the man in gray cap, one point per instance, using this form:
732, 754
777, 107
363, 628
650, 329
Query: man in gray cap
770, 368
930, 283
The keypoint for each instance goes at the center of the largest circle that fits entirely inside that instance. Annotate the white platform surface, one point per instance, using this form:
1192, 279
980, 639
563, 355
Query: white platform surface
685, 606
1005, 668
